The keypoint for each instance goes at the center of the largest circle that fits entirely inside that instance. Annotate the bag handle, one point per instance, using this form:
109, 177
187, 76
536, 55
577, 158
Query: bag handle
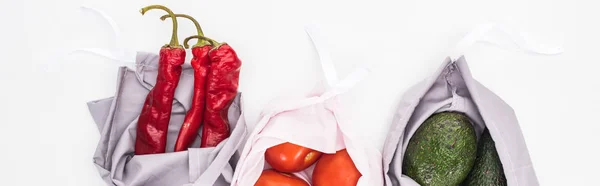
324, 56
482, 31
335, 86
116, 54
107, 18
119, 54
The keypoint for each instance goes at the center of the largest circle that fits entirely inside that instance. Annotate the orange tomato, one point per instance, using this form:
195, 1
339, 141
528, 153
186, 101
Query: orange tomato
335, 169
273, 178
289, 157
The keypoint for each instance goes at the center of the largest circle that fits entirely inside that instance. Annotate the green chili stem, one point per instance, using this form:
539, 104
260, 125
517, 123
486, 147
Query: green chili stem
200, 42
174, 41
211, 41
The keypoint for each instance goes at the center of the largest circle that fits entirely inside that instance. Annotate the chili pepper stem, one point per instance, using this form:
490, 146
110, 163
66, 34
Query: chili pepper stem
174, 40
214, 43
198, 28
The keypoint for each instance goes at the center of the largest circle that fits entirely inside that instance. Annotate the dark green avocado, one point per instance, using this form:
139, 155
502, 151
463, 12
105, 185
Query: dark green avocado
442, 151
487, 170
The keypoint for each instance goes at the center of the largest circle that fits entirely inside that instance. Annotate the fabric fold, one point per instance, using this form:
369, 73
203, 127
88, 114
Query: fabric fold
116, 118
452, 88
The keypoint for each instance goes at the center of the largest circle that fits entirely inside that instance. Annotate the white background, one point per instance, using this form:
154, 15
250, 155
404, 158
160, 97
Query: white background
47, 136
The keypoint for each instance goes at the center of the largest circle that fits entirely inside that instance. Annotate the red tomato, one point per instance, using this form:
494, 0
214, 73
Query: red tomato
335, 169
273, 178
289, 157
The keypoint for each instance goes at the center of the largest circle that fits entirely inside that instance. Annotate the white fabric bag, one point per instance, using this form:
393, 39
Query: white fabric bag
116, 118
313, 121
452, 88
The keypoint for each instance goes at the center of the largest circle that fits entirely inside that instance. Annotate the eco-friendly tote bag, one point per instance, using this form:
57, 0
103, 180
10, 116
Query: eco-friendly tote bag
116, 118
313, 121
452, 88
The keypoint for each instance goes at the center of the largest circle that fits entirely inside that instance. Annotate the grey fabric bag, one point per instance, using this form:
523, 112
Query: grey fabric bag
452, 88
116, 118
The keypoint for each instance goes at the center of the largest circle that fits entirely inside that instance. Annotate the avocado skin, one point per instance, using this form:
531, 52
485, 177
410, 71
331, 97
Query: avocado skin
487, 170
442, 151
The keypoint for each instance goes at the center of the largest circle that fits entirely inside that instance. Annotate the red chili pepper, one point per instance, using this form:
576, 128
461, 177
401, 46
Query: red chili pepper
200, 64
153, 123
221, 89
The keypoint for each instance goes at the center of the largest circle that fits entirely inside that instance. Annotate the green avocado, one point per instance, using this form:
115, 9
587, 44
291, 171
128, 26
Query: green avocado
488, 169
442, 151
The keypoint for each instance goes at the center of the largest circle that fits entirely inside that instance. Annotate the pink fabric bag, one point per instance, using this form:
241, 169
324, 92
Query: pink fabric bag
312, 121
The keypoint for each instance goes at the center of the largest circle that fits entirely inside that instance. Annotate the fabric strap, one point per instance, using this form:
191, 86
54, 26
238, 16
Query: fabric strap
107, 18
335, 86
118, 53
481, 33
324, 54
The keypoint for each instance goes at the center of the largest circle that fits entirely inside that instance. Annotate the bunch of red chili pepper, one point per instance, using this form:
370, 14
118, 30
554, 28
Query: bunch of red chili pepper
216, 75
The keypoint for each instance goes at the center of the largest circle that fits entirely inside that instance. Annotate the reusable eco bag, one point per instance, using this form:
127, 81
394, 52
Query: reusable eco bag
116, 118
313, 121
452, 88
